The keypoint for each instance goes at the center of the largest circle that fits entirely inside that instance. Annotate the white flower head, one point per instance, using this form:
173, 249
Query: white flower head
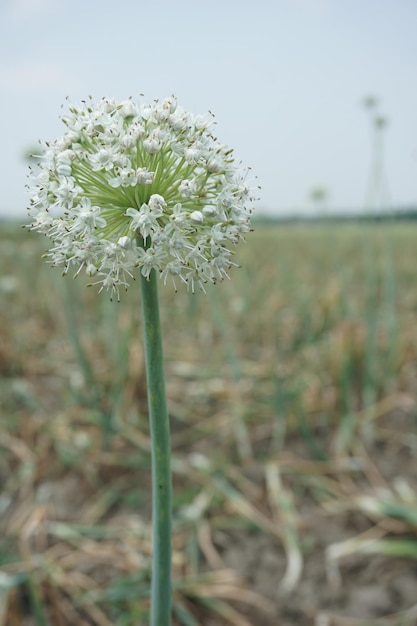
145, 186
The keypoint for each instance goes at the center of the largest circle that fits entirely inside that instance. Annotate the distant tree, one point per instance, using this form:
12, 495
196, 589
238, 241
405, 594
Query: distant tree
319, 196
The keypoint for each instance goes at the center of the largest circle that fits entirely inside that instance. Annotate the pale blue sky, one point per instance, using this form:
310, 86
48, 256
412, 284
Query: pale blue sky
285, 79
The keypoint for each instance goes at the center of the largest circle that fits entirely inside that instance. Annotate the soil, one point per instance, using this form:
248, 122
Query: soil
362, 589
370, 587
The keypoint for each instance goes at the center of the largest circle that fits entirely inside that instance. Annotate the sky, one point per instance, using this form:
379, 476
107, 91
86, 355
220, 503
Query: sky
286, 80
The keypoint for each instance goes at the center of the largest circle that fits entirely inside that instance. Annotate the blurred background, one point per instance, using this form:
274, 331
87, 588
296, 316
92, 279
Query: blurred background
286, 80
292, 387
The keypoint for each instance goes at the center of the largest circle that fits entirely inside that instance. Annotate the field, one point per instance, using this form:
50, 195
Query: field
292, 395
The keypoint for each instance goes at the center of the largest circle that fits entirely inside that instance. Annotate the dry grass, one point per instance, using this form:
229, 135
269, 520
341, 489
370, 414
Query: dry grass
292, 397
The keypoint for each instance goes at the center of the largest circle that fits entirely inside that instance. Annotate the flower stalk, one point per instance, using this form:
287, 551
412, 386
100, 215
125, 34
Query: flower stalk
161, 455
136, 188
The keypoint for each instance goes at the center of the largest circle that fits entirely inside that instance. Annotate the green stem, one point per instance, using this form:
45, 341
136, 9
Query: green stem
38, 612
161, 456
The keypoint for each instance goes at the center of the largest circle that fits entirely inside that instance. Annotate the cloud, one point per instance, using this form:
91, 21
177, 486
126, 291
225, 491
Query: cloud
31, 77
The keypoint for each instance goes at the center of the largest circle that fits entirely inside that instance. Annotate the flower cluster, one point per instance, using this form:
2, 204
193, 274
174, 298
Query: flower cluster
132, 185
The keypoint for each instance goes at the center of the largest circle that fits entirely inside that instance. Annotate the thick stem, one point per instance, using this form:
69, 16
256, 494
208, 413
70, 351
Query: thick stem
161, 456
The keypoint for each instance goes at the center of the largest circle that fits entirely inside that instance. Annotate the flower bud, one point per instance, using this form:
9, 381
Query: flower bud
197, 216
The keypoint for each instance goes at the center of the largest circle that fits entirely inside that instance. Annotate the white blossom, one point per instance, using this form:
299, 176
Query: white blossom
143, 176
139, 187
144, 221
187, 188
197, 216
103, 159
152, 143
